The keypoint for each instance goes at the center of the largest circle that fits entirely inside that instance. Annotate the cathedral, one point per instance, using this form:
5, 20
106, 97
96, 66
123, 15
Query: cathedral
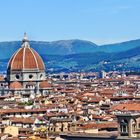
25, 72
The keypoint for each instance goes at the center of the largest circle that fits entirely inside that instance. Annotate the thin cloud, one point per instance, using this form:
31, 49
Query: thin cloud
120, 9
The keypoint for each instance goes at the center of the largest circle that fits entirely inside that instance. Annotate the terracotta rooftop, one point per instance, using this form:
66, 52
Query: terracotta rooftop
101, 125
22, 120
44, 84
16, 85
126, 107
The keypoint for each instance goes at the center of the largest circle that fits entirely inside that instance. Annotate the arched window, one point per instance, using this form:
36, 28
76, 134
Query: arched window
124, 126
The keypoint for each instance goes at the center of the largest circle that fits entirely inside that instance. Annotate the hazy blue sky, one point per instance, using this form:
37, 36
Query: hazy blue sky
100, 21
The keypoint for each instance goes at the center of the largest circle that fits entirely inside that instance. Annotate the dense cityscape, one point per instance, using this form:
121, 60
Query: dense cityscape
69, 70
93, 105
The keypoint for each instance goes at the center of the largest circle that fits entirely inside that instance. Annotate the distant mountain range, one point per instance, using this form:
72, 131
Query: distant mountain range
79, 55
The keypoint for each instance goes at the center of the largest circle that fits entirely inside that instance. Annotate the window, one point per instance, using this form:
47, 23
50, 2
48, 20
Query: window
30, 76
17, 76
124, 126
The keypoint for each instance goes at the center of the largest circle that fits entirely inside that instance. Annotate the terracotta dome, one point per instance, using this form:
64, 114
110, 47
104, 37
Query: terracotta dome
26, 58
44, 84
15, 85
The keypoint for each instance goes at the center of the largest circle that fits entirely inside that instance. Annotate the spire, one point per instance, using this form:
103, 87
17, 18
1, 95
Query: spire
25, 38
25, 41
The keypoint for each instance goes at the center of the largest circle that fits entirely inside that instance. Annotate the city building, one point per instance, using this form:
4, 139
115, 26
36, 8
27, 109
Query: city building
26, 74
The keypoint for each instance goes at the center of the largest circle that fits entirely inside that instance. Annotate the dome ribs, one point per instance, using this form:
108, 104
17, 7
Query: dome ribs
29, 60
26, 58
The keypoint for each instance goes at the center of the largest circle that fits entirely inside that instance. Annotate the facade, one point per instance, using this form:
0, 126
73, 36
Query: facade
129, 124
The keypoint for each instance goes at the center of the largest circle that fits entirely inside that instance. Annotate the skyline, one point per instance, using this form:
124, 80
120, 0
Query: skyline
102, 22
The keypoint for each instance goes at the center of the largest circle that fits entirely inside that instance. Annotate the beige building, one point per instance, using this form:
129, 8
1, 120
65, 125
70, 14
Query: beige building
13, 130
129, 124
